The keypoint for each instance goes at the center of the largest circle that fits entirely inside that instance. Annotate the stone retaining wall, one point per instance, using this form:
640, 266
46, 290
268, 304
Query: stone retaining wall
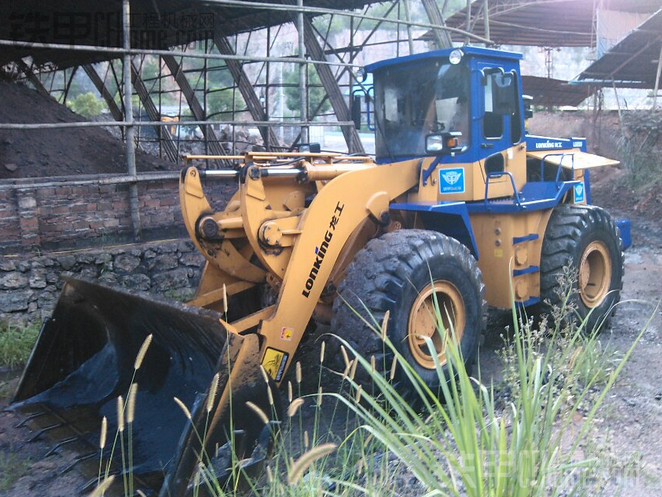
30, 285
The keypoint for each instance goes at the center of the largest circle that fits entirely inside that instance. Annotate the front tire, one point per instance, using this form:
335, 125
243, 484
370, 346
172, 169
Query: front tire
587, 239
403, 272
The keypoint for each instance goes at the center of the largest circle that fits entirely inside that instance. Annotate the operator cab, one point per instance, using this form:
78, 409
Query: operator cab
463, 104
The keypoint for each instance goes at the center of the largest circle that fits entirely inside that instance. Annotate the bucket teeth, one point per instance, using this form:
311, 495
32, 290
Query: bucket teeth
44, 430
245, 469
61, 444
77, 460
29, 418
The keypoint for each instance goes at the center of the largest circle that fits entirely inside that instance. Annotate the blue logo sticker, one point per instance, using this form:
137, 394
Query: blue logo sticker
579, 193
451, 180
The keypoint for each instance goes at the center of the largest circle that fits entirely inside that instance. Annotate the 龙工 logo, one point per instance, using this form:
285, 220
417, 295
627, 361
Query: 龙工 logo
451, 180
579, 193
451, 177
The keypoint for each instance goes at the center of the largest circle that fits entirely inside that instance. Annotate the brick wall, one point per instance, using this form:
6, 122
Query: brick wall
39, 214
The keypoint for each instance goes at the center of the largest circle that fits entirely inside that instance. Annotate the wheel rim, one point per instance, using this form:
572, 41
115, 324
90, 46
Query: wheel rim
594, 274
423, 321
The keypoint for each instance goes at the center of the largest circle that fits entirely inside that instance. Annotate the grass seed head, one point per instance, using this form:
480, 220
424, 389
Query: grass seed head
131, 403
394, 366
322, 351
387, 314
352, 370
359, 391
183, 407
373, 364
270, 396
298, 371
319, 396
103, 487
304, 462
225, 299
344, 356
265, 375
306, 440
120, 414
270, 475
289, 391
294, 407
104, 433
348, 369
260, 413
142, 352
212, 393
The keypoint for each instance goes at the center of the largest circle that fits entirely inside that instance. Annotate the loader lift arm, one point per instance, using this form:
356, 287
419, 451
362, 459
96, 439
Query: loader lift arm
311, 240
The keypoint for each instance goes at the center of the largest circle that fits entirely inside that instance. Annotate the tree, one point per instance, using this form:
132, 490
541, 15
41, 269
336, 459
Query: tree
87, 105
220, 100
316, 92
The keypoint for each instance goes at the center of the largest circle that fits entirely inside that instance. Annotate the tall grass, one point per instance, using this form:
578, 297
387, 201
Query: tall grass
16, 342
516, 439
473, 442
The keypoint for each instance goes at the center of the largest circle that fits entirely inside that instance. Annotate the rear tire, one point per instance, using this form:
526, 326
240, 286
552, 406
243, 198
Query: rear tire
587, 239
395, 273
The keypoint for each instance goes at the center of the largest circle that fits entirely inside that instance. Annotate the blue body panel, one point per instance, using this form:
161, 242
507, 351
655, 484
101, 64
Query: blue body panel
534, 143
624, 227
476, 59
452, 218
486, 53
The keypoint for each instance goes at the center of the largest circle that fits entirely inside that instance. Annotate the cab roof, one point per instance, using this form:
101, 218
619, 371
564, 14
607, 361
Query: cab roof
469, 51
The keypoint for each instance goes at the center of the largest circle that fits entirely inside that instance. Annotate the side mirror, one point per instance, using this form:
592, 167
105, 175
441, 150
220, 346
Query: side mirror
355, 110
528, 106
310, 148
443, 143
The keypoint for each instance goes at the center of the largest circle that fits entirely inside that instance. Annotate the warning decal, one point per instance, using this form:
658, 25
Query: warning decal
274, 363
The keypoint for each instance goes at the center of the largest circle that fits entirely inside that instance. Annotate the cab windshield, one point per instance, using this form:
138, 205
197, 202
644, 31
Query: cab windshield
412, 102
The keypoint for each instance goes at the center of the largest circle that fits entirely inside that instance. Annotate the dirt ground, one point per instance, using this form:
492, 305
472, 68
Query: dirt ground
58, 152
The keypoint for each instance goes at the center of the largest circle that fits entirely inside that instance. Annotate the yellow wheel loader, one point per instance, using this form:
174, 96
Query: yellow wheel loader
459, 208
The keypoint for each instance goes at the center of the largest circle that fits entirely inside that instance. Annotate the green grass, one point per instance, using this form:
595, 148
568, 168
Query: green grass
16, 343
474, 443
12, 468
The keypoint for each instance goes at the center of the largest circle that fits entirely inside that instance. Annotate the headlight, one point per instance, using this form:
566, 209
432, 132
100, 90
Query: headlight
434, 143
455, 57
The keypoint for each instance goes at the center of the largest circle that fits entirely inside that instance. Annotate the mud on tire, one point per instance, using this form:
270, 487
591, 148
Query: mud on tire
587, 239
388, 274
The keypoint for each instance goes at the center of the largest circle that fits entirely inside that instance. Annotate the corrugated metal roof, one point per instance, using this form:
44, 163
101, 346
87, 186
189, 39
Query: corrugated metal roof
558, 23
156, 24
551, 92
632, 63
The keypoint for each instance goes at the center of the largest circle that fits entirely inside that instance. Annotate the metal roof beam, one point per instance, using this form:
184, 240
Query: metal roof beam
435, 16
36, 82
332, 89
103, 91
215, 146
247, 91
154, 115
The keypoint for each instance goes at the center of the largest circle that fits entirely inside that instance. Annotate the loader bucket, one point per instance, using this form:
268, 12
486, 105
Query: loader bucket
84, 359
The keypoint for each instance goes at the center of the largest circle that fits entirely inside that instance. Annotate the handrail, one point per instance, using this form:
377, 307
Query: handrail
498, 174
560, 166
